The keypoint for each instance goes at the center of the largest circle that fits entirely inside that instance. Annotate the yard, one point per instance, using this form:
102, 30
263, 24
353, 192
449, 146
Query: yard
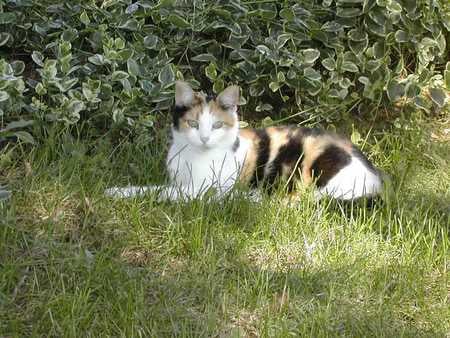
74, 262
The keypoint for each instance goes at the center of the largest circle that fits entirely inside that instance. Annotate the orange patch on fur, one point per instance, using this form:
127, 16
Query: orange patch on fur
313, 147
222, 114
199, 105
252, 155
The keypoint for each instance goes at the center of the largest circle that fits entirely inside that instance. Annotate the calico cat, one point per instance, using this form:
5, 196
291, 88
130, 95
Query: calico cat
208, 150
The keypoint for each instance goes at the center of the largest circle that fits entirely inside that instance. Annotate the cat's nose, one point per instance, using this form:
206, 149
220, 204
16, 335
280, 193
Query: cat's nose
204, 139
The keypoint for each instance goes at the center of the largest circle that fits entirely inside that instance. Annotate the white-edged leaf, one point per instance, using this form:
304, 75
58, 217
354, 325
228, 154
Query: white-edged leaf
97, 59
166, 75
25, 137
18, 124
437, 95
133, 67
4, 195
310, 55
349, 67
3, 96
119, 75
38, 58
395, 90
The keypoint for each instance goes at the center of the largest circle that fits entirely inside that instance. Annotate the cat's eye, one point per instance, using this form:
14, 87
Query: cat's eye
192, 123
217, 125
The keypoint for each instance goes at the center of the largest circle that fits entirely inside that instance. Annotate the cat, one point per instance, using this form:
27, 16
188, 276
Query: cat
208, 150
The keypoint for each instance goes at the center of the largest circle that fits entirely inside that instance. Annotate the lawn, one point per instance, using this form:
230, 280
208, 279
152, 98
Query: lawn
76, 263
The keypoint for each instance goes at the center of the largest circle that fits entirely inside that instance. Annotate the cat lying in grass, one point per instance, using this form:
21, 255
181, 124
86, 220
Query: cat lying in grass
208, 150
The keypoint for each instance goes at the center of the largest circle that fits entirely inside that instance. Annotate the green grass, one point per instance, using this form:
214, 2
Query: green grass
75, 263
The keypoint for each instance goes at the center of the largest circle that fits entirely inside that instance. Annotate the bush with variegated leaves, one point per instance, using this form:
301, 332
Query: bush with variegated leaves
112, 63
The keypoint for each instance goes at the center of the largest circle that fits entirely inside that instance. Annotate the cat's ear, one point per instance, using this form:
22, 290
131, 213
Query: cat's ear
184, 95
229, 98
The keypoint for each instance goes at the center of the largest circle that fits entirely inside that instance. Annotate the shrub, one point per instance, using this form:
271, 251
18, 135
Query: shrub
112, 63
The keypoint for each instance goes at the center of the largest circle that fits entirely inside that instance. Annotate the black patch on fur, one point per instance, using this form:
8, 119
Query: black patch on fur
329, 163
290, 154
358, 154
263, 157
210, 97
311, 131
236, 144
178, 113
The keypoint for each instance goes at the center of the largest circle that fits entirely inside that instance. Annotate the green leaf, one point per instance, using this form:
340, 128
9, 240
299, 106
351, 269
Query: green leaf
119, 43
267, 14
4, 195
375, 28
348, 66
357, 35
133, 68
311, 74
166, 75
412, 90
310, 55
287, 14
401, 36
329, 64
348, 12
394, 6
146, 85
97, 59
274, 86
131, 25
267, 121
25, 136
437, 95
4, 38
118, 116
218, 86
3, 96
395, 90
223, 13
422, 103
166, 3
447, 79
178, 21
119, 75
373, 65
211, 71
18, 125
38, 58
132, 8
356, 137
75, 107
151, 41
84, 18
204, 58
358, 47
69, 35
125, 54
7, 18
40, 89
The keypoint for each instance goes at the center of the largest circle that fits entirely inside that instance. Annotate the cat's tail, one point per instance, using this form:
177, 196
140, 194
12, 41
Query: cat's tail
163, 192
131, 191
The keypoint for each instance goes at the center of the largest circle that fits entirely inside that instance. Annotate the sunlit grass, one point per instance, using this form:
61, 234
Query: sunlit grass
74, 262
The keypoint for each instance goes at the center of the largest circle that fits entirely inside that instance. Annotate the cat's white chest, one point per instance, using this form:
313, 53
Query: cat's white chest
195, 171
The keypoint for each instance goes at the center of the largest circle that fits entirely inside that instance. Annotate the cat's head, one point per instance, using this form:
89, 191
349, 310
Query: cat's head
205, 122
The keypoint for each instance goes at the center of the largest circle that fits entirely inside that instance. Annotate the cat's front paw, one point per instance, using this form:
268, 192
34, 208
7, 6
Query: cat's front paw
114, 192
255, 196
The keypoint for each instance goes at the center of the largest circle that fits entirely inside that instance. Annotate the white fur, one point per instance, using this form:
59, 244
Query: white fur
353, 181
195, 167
199, 158
130, 191
203, 158
184, 95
